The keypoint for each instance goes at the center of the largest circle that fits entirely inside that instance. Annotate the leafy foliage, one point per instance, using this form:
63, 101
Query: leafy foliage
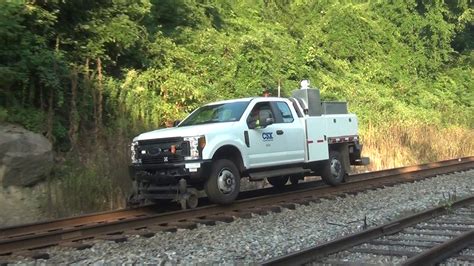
143, 63
91, 74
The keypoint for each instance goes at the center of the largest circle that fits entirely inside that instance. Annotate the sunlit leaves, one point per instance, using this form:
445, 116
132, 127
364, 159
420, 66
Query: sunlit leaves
403, 60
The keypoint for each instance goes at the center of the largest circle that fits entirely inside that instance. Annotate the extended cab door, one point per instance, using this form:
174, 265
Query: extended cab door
291, 132
265, 146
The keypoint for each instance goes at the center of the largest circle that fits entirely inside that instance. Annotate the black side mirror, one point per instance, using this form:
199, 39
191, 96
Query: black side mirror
252, 124
176, 123
266, 122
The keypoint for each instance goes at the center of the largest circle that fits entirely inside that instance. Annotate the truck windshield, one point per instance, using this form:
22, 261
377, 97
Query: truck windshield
216, 113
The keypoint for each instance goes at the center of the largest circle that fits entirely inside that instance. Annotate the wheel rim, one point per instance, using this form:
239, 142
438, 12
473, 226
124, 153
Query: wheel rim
192, 201
336, 168
226, 181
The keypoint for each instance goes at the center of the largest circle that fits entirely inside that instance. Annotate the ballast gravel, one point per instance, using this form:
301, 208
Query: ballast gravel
264, 237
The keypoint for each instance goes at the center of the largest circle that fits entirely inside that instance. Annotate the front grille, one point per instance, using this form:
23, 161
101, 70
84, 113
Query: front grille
161, 159
158, 151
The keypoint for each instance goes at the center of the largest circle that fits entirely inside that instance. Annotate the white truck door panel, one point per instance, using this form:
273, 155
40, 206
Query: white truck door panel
290, 128
266, 147
316, 139
292, 137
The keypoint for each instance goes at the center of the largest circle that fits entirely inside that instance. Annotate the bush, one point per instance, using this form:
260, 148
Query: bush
30, 118
3, 114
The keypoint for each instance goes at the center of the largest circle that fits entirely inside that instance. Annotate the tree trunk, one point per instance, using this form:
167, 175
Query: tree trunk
31, 95
98, 124
73, 114
94, 95
42, 104
50, 118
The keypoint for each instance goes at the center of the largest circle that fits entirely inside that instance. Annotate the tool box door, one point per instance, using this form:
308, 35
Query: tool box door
316, 139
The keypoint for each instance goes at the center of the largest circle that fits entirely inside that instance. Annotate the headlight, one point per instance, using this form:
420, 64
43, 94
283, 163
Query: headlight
196, 145
133, 149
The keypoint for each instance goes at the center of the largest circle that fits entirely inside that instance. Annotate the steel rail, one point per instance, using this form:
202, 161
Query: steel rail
319, 252
441, 252
357, 183
31, 228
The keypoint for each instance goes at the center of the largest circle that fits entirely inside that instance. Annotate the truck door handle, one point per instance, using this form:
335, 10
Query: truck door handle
279, 132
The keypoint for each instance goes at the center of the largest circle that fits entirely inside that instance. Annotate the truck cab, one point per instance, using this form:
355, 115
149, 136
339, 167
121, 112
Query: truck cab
279, 139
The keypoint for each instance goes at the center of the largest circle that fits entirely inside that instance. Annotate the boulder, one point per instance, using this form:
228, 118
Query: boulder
26, 158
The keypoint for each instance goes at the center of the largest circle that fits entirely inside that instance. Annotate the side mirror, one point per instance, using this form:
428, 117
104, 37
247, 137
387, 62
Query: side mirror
266, 122
176, 123
252, 124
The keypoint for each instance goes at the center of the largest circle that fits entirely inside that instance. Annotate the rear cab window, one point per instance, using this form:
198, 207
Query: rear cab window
285, 112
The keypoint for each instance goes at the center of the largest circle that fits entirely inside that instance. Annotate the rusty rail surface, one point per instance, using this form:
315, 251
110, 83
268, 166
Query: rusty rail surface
138, 221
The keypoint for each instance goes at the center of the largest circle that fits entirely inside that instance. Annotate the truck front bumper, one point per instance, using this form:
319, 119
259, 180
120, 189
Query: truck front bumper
195, 171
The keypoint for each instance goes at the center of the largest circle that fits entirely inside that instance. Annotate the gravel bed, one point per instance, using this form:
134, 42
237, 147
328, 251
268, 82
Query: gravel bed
459, 226
264, 237
403, 236
468, 252
454, 261
421, 235
394, 248
357, 258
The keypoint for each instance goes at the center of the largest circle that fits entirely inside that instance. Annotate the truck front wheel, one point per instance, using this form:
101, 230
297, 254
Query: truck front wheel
333, 172
223, 185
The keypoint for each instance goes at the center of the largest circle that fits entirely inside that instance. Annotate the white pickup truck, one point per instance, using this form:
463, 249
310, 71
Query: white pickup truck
279, 139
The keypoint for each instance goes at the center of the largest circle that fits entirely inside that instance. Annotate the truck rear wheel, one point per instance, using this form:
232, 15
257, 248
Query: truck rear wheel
278, 181
333, 172
223, 185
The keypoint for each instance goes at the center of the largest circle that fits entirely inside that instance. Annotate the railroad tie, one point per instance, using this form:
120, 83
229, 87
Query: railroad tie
203, 221
76, 245
242, 214
114, 238
162, 228
288, 205
34, 254
221, 218
184, 225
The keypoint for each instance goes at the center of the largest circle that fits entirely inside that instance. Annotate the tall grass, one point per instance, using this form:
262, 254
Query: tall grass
95, 177
397, 144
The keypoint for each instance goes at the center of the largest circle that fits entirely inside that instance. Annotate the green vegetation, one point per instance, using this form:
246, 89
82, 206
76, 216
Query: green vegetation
86, 72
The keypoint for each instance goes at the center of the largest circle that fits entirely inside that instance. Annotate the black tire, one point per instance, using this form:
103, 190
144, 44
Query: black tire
333, 172
223, 185
278, 181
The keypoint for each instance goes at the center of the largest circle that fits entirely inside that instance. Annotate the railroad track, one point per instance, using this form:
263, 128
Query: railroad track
426, 238
116, 225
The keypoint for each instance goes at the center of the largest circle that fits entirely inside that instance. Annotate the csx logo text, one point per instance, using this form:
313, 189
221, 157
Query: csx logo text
267, 136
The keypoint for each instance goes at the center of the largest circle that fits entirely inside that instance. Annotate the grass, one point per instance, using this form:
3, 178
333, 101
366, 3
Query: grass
401, 144
95, 178
90, 180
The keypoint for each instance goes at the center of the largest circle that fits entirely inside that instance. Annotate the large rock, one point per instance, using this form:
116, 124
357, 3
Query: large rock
26, 158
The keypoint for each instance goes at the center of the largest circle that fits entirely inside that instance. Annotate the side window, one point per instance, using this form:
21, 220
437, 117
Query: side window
260, 112
296, 106
285, 112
